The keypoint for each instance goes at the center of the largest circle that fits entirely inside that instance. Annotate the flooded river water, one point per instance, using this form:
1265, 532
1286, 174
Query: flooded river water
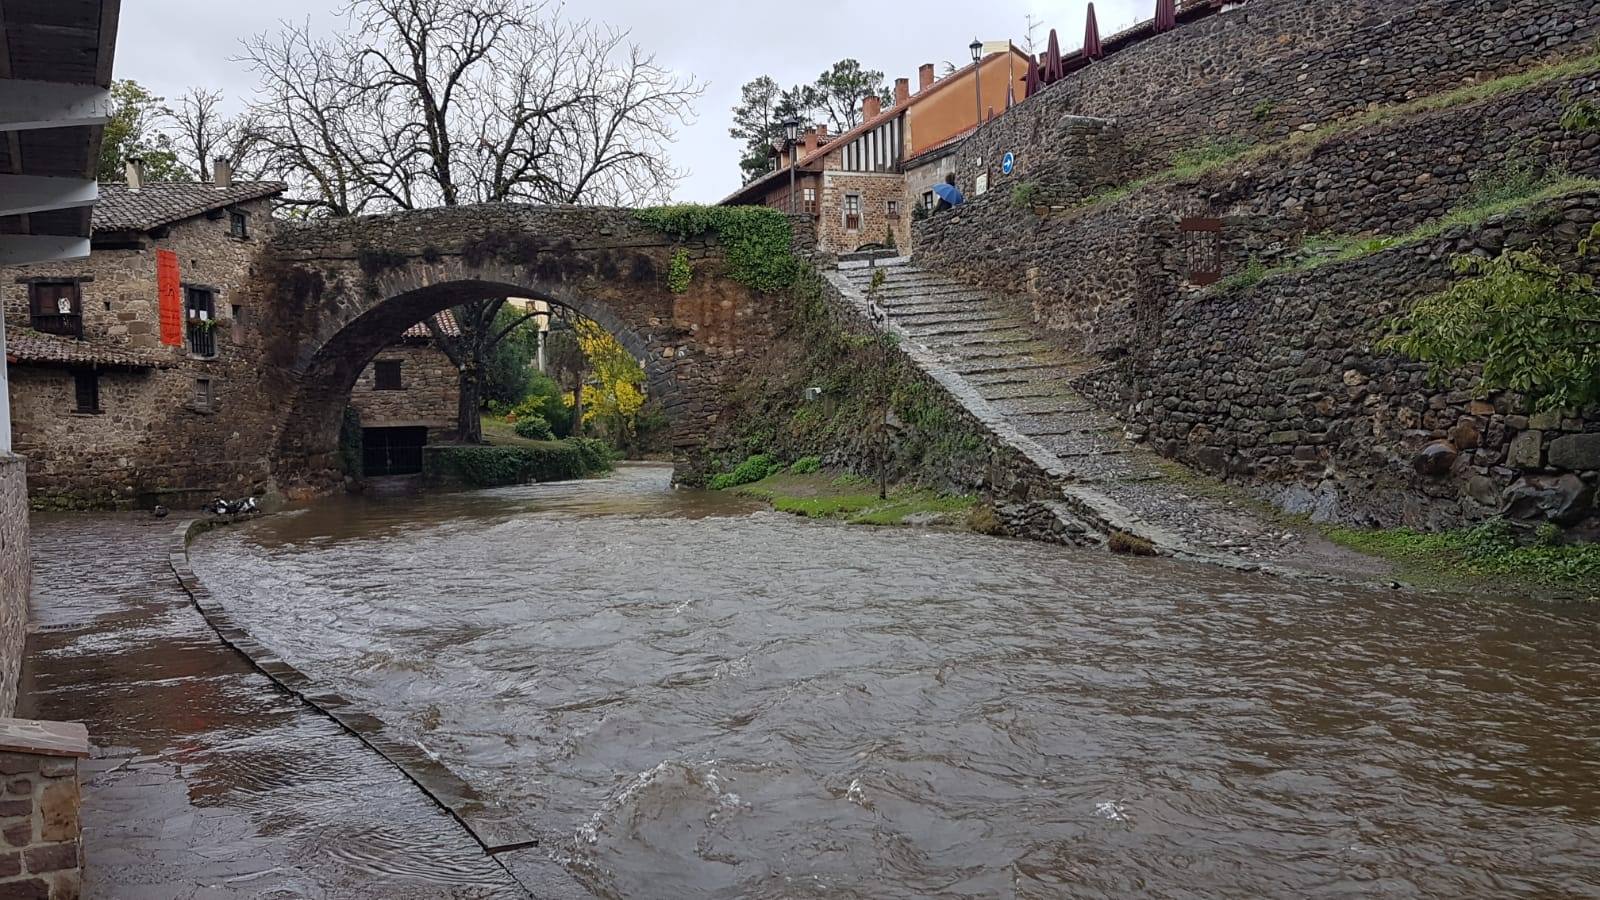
690, 697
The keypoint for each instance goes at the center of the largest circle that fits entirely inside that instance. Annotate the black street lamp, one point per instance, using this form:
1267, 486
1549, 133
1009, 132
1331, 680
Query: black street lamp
791, 132
977, 74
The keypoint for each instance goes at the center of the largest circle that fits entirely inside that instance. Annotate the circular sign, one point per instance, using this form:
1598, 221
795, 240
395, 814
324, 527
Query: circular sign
1007, 162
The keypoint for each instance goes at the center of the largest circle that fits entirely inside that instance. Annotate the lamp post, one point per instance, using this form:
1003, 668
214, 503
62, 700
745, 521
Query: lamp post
977, 75
791, 132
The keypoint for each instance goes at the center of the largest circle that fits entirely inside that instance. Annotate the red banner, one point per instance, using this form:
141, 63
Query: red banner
171, 296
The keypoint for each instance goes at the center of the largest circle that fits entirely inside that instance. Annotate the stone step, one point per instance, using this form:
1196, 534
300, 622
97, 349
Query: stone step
1035, 348
1039, 377
1113, 468
1061, 423
984, 326
953, 344
1082, 443
978, 314
1019, 362
1045, 404
1022, 390
919, 298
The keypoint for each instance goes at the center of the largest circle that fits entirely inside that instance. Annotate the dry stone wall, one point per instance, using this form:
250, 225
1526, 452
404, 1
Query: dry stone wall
1084, 269
429, 393
1273, 68
1280, 384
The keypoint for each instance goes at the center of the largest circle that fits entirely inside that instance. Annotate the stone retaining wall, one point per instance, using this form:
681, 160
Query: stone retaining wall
1280, 384
1083, 269
1274, 67
16, 581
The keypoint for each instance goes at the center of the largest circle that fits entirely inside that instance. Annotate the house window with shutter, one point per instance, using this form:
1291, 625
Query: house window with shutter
56, 307
239, 225
86, 390
386, 375
200, 305
204, 398
852, 212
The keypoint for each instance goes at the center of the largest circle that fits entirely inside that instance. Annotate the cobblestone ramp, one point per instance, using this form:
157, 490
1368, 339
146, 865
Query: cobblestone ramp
1009, 371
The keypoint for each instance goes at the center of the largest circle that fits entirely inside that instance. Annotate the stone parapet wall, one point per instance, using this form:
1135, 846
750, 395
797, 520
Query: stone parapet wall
1275, 67
42, 857
1280, 384
16, 581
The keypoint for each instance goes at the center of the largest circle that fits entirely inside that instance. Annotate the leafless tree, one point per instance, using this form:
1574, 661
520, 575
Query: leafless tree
445, 102
204, 133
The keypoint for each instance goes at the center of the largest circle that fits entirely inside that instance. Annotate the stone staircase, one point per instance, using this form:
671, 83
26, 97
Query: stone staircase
987, 351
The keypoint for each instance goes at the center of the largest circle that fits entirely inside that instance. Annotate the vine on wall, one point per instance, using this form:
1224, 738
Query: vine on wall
757, 240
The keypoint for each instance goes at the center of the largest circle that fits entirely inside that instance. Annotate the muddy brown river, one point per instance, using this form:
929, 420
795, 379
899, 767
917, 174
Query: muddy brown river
688, 696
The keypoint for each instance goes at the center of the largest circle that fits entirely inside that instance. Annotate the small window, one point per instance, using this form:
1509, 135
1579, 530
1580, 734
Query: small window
56, 307
852, 212
892, 207
928, 201
86, 390
239, 225
386, 375
811, 200
236, 312
204, 399
200, 305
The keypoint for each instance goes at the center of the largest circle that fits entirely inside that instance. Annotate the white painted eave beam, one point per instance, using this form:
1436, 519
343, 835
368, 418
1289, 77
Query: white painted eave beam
21, 194
26, 105
21, 249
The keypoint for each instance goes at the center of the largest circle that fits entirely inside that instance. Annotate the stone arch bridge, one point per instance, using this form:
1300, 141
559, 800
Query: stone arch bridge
333, 293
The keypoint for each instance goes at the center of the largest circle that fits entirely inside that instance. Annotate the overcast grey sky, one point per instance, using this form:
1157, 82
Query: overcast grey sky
169, 45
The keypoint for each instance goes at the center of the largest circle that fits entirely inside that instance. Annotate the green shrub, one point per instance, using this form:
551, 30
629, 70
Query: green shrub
755, 239
489, 466
1246, 277
755, 468
1263, 110
1023, 193
1581, 116
806, 465
546, 400
534, 427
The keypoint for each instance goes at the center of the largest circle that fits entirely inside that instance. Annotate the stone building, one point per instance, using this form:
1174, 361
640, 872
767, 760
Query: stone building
406, 398
119, 361
860, 187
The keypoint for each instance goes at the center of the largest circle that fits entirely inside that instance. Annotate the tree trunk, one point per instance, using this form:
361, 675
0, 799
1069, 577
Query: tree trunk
577, 405
469, 425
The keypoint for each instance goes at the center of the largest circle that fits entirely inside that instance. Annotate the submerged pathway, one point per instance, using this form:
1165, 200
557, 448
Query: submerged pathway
207, 781
1002, 360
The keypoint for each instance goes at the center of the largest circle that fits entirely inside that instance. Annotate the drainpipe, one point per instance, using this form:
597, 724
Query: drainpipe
5, 395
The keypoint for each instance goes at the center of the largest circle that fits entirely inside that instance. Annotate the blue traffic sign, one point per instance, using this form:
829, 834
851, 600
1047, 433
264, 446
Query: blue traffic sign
1008, 162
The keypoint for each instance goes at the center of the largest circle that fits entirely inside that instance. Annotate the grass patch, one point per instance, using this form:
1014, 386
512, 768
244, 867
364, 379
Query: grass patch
484, 465
1488, 551
853, 499
1199, 161
1130, 544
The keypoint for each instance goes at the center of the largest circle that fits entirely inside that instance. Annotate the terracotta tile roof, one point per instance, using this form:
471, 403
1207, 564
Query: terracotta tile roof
447, 324
843, 137
165, 202
942, 145
25, 347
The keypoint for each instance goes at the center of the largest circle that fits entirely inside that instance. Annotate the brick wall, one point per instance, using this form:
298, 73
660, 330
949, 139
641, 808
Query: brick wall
431, 390
15, 574
151, 443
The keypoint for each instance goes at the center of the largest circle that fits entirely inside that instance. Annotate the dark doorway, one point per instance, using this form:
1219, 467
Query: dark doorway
392, 451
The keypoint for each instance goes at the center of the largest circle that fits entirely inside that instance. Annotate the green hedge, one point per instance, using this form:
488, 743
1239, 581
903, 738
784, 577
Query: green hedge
489, 466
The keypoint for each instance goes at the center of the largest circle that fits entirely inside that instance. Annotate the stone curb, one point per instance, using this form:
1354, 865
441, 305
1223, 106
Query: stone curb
493, 827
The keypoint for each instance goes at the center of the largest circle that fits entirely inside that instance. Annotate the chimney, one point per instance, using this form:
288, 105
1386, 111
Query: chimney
133, 170
224, 174
871, 105
810, 143
902, 91
924, 77
822, 131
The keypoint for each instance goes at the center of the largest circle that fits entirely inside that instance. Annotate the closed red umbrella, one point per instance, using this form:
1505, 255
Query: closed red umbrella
1031, 83
1166, 15
1091, 37
1053, 70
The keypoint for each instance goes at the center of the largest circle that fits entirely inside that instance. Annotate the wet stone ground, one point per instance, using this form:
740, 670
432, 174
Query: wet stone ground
206, 781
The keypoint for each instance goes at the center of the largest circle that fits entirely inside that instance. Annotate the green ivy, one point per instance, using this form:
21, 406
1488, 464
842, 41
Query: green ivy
757, 240
679, 272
